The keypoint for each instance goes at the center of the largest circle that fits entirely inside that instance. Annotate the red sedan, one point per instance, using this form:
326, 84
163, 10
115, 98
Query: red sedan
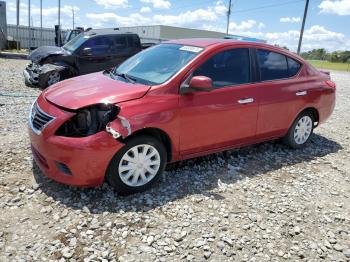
177, 100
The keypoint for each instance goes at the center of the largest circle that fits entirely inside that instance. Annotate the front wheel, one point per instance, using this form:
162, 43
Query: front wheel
301, 130
137, 166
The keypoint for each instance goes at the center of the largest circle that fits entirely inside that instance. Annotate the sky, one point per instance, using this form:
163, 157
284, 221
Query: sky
277, 21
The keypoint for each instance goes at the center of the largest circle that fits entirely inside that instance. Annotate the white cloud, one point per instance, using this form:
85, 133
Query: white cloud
319, 33
50, 15
315, 36
145, 9
220, 8
161, 4
242, 26
189, 17
132, 19
341, 7
261, 25
290, 19
108, 4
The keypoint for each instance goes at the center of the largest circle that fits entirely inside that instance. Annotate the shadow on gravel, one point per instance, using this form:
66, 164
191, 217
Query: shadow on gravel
186, 178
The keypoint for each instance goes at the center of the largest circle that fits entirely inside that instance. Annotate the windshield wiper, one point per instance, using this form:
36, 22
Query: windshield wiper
125, 76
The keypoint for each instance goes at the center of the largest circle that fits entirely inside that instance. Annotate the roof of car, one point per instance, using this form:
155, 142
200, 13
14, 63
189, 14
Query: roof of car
109, 31
205, 42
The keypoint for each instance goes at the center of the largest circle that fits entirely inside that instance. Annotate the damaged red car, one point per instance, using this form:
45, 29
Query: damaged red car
178, 100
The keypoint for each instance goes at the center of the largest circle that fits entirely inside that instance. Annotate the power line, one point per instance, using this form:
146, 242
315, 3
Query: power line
266, 6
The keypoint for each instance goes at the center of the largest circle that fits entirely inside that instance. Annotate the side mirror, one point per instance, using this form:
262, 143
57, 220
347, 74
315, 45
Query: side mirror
201, 83
86, 51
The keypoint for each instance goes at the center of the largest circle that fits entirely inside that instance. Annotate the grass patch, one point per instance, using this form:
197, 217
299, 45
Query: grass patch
330, 65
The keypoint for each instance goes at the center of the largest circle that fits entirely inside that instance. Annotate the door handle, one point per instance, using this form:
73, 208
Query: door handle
301, 93
246, 100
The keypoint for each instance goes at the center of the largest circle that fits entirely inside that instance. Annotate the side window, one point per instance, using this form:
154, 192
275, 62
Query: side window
133, 41
227, 68
120, 42
272, 65
99, 45
293, 67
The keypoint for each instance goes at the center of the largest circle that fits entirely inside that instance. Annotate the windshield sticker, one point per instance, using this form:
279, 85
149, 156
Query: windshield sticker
193, 49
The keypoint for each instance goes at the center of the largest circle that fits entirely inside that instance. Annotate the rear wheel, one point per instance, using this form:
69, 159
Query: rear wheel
301, 130
137, 166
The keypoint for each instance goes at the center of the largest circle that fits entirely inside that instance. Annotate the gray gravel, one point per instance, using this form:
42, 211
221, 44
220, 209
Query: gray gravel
260, 203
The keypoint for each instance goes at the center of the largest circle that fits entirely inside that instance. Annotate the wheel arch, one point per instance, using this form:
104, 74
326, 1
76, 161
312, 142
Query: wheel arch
314, 112
158, 134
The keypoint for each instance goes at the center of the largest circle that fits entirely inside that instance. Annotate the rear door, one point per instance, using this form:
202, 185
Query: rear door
226, 115
281, 93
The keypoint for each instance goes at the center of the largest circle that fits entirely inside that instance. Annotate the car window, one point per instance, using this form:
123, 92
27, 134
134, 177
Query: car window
293, 66
120, 42
157, 64
133, 41
272, 65
99, 45
227, 68
76, 42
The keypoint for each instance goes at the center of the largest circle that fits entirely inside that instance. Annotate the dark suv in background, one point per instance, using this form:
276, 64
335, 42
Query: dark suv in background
90, 51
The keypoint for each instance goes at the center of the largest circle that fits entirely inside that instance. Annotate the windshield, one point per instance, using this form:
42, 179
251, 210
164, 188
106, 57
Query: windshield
76, 42
157, 64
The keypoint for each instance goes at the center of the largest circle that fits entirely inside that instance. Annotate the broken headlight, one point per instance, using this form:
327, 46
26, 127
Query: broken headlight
88, 121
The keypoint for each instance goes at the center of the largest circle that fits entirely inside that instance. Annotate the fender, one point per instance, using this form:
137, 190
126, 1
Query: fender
72, 70
155, 112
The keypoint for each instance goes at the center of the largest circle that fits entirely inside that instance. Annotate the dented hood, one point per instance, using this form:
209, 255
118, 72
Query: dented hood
86, 90
43, 52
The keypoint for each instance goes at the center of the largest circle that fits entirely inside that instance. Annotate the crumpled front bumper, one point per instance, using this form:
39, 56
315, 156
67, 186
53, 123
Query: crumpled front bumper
36, 75
78, 161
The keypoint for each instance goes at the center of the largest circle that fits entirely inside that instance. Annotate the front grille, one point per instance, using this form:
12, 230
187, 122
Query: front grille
38, 119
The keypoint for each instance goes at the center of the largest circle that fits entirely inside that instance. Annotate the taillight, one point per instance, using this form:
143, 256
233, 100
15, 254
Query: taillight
330, 84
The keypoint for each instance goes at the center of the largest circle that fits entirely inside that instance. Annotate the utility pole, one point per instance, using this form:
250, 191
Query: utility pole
228, 16
17, 22
29, 33
59, 23
73, 16
41, 22
302, 26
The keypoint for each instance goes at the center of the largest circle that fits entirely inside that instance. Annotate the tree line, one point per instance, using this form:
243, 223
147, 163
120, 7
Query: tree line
322, 54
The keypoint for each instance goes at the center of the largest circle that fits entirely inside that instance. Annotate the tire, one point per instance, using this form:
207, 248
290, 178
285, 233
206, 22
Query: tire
51, 78
128, 177
300, 132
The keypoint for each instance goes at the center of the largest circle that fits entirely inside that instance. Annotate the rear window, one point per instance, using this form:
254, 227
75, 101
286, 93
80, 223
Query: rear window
133, 41
272, 65
293, 67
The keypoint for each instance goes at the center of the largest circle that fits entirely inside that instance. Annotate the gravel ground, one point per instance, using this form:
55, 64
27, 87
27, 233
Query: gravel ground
261, 203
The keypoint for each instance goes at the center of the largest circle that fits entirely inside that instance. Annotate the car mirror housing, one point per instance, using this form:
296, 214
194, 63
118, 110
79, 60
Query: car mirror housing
86, 51
201, 83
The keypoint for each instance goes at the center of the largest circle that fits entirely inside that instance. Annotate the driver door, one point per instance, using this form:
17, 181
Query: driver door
95, 55
225, 116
